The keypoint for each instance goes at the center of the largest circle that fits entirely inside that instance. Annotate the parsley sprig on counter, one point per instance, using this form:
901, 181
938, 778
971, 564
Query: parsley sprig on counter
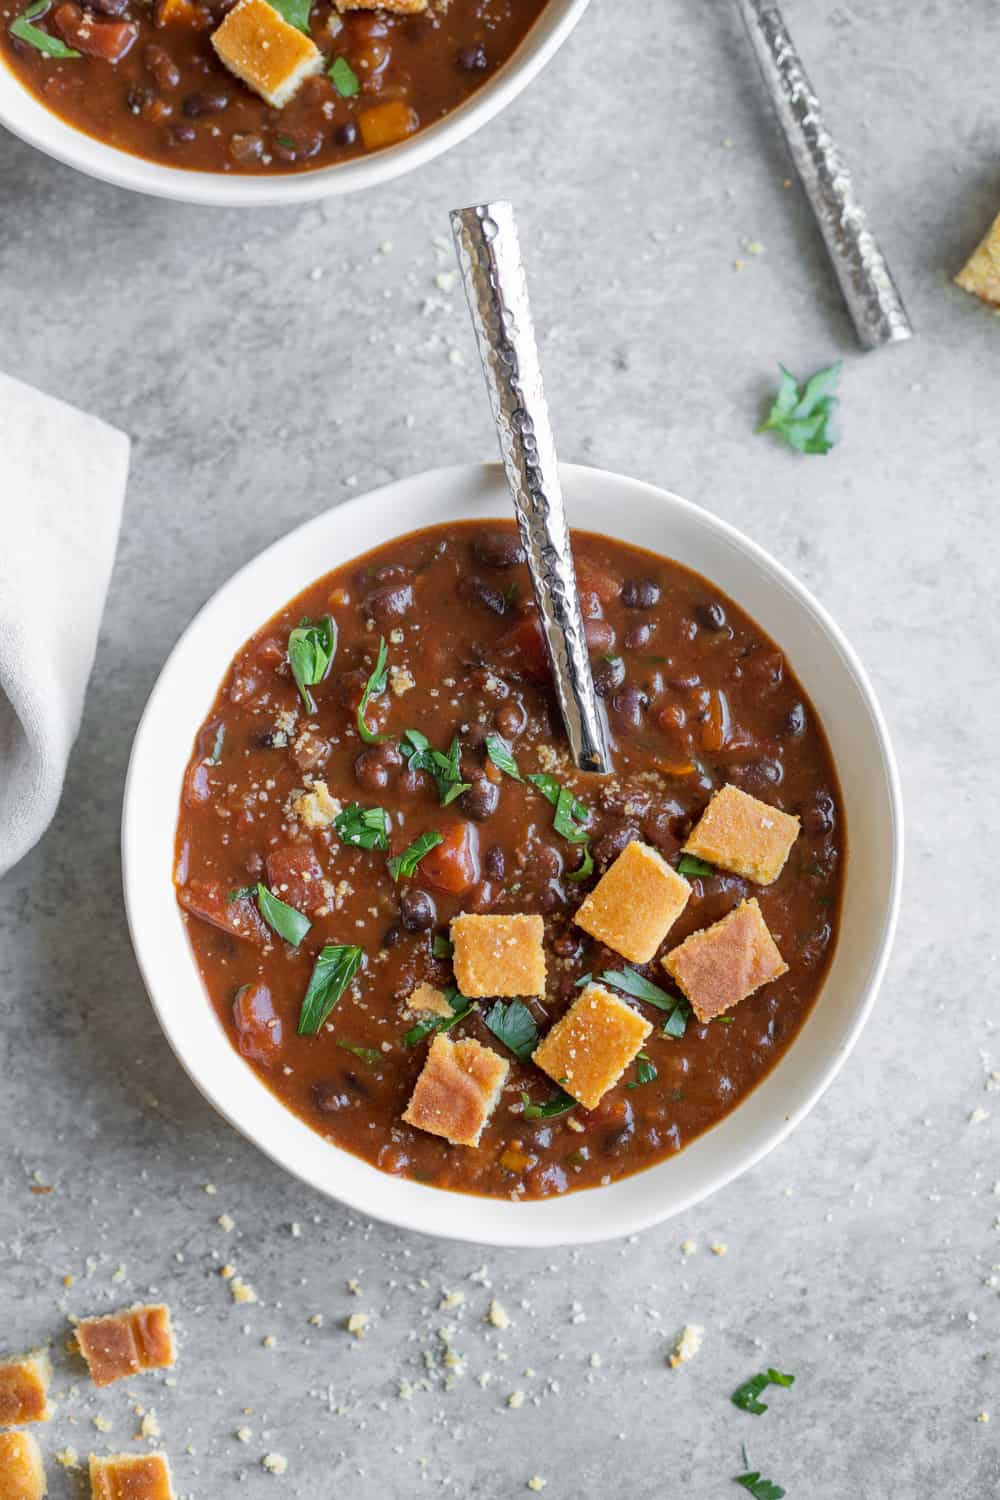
760, 1488
802, 417
747, 1397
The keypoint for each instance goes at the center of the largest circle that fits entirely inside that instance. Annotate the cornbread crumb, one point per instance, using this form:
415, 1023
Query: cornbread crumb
67, 1458
983, 1416
243, 1434
718, 1248
450, 1300
688, 1247
687, 1345
274, 1463
103, 1423
226, 1223
515, 1400
357, 1324
149, 1427
537, 1483
242, 1290
498, 1315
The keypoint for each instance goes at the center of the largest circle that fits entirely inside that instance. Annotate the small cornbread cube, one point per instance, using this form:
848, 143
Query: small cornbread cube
723, 964
130, 1476
22, 1473
590, 1048
125, 1343
739, 833
261, 48
457, 1090
981, 272
498, 955
24, 1390
635, 903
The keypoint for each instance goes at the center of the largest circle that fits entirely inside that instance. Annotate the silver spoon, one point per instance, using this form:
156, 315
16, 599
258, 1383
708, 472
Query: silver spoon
872, 297
489, 256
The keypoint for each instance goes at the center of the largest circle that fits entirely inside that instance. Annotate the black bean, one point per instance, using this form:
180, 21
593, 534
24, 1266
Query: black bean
600, 636
162, 66
373, 768
473, 59
546, 862
759, 775
329, 1097
550, 899
139, 98
392, 936
495, 862
822, 816
346, 134
612, 842
388, 603
416, 909
710, 616
511, 719
627, 708
639, 635
608, 676
640, 593
246, 148
108, 7
477, 592
181, 135
204, 103
795, 721
481, 800
498, 549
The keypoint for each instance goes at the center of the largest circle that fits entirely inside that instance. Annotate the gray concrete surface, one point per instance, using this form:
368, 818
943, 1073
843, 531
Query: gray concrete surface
270, 365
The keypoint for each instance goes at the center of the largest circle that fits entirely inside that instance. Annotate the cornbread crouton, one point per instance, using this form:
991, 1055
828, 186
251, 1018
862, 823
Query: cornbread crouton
125, 1343
739, 833
981, 272
723, 964
635, 903
590, 1048
498, 955
22, 1473
130, 1476
457, 1090
24, 1387
260, 47
425, 998
397, 7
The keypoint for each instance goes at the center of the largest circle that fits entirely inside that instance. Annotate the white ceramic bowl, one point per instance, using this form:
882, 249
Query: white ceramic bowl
649, 517
22, 114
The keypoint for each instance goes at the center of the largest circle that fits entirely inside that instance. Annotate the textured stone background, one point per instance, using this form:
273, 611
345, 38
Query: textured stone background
267, 366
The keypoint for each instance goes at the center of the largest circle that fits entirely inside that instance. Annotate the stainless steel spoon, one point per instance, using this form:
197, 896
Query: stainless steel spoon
869, 290
489, 256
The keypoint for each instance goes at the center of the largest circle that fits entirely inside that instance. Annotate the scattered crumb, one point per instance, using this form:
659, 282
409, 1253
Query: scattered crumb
515, 1400
274, 1463
978, 1115
149, 1427
687, 1345
537, 1483
983, 1416
354, 1286
498, 1315
718, 1248
210, 1188
68, 1458
242, 1290
357, 1324
451, 1300
243, 1434
269, 1341
689, 1247
102, 1423
226, 1223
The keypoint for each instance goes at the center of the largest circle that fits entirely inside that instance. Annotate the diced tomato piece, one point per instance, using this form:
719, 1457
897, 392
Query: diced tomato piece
715, 729
590, 580
385, 124
109, 40
258, 1026
271, 652
523, 648
209, 900
454, 865
295, 876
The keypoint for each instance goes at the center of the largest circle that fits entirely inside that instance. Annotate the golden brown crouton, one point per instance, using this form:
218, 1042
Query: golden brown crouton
24, 1386
429, 1000
723, 964
270, 56
635, 903
457, 1090
22, 1474
125, 1343
590, 1048
398, 7
981, 272
499, 955
130, 1476
739, 833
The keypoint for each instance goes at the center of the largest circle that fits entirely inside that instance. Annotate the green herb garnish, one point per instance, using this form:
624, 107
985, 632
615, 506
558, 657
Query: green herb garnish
689, 865
746, 1398
446, 769
584, 980
406, 863
441, 947
514, 1025
802, 417
286, 141
332, 972
583, 869
676, 1023
220, 740
559, 1104
241, 893
345, 80
311, 649
295, 12
460, 1008
371, 1055
571, 815
374, 687
22, 28
639, 988
363, 827
645, 1071
288, 923
760, 1489
499, 753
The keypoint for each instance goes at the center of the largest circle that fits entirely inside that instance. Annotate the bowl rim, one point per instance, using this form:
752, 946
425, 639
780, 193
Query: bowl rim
521, 1234
27, 118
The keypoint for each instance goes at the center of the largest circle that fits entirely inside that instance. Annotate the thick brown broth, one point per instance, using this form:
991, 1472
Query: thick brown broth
170, 99
697, 696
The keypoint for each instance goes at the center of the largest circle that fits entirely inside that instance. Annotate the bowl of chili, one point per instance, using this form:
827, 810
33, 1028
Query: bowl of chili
290, 694
139, 96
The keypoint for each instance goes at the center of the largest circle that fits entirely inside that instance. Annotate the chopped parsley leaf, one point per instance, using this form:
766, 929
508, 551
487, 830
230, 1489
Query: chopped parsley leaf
345, 80
499, 753
559, 1104
311, 649
288, 923
333, 971
374, 688
802, 418
760, 1489
645, 1071
445, 769
747, 1397
363, 827
405, 864
514, 1025
371, 1055
689, 865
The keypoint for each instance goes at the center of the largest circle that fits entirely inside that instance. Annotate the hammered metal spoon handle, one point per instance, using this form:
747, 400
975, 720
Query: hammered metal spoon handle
872, 297
489, 256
